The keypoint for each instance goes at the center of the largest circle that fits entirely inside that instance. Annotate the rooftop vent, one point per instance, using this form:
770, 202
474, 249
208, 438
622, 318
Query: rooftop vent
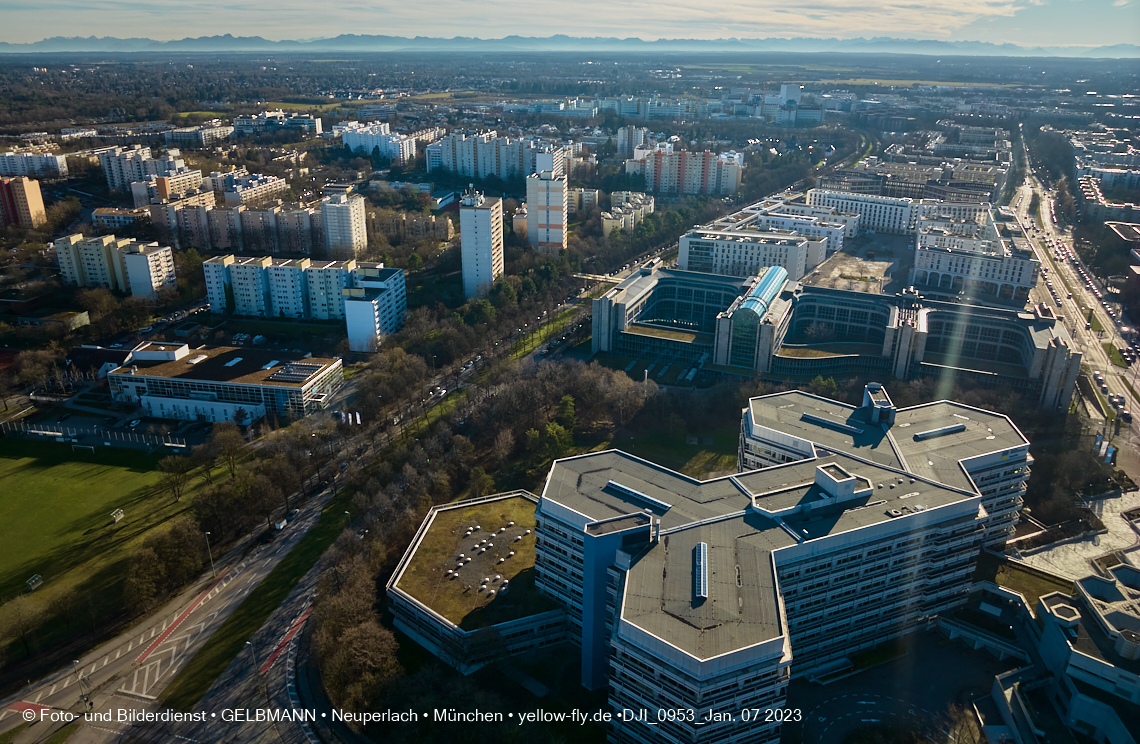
233, 361
199, 358
272, 364
701, 571
940, 432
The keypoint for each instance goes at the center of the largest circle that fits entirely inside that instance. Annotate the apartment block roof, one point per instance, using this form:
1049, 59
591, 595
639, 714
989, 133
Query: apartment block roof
230, 364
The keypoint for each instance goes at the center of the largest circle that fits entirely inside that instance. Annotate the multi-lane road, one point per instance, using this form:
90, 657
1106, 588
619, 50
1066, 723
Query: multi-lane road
123, 678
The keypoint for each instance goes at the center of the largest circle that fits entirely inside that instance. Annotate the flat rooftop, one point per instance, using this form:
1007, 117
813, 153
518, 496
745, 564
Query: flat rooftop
230, 364
466, 600
736, 519
841, 427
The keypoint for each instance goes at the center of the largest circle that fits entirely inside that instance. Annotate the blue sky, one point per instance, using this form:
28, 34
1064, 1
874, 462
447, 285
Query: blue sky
1024, 22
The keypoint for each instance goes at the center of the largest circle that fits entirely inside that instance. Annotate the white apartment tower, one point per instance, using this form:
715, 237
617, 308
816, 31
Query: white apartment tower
141, 269
546, 212
481, 231
345, 233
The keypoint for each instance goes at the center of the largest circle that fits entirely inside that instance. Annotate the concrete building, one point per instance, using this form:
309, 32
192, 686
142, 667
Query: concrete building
207, 134
223, 383
21, 203
627, 210
311, 290
274, 121
254, 190
945, 442
793, 214
898, 215
710, 325
375, 307
110, 218
37, 164
365, 139
165, 187
184, 220
687, 172
345, 231
581, 200
124, 166
744, 249
481, 236
139, 269
486, 154
629, 139
546, 212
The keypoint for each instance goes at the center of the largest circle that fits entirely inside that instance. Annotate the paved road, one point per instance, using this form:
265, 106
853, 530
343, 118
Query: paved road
128, 673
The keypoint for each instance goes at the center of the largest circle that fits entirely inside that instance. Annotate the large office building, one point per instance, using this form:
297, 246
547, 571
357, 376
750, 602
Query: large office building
710, 596
21, 203
989, 258
276, 121
346, 234
370, 298
481, 236
946, 442
546, 211
139, 269
897, 215
791, 213
745, 248
37, 164
223, 383
206, 134
774, 326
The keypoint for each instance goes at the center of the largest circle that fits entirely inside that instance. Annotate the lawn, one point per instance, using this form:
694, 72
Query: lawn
672, 450
538, 336
461, 600
302, 106
1114, 355
194, 679
1029, 583
56, 514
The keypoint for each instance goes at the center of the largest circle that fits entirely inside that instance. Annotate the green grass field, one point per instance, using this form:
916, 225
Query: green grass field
56, 513
1114, 355
537, 337
1030, 584
302, 106
194, 679
671, 450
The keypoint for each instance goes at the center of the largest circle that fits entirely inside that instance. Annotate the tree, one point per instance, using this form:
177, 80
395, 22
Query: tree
145, 577
205, 457
823, 387
228, 443
240, 416
362, 665
504, 445
533, 440
556, 439
175, 474
5, 387
66, 604
565, 414
481, 483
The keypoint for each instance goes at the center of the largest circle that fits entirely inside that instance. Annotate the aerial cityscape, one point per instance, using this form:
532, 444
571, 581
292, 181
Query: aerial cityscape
756, 375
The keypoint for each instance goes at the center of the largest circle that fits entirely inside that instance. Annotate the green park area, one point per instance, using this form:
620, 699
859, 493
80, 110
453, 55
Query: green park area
56, 513
700, 455
1029, 582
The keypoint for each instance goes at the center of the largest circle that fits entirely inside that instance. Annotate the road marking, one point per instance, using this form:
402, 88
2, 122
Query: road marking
285, 639
22, 706
92, 669
178, 620
5, 714
52, 690
39, 696
106, 659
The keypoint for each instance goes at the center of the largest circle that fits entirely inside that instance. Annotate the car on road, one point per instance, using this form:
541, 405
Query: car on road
293, 515
135, 423
146, 329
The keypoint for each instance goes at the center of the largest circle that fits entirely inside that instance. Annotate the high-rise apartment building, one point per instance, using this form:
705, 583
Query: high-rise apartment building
688, 172
42, 165
141, 269
345, 232
367, 138
546, 211
370, 298
481, 233
165, 187
629, 139
21, 203
122, 167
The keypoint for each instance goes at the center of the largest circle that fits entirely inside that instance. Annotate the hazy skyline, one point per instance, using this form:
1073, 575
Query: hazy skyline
1022, 22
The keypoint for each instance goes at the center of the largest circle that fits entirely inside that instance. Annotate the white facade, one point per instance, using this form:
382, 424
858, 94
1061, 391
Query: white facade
122, 167
140, 269
375, 307
364, 139
289, 288
546, 212
345, 232
485, 154
250, 282
33, 164
747, 251
481, 235
898, 215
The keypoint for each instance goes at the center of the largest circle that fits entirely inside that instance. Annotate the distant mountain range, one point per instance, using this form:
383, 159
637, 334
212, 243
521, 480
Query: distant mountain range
562, 43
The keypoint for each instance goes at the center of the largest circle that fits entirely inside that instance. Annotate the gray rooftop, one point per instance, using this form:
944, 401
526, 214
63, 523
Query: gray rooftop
739, 518
896, 447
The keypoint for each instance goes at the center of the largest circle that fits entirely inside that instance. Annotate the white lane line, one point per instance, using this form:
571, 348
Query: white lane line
4, 714
37, 700
52, 690
117, 653
129, 647
106, 659
93, 668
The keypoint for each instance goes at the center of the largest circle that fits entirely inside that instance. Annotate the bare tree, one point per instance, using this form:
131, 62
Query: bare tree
229, 444
24, 618
504, 445
175, 474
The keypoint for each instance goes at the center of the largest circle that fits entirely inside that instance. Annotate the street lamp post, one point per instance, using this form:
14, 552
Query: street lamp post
213, 573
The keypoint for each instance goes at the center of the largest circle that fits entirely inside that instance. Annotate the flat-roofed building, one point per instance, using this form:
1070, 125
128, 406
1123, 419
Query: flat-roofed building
945, 442
374, 307
745, 249
130, 266
21, 203
481, 238
546, 212
212, 383
38, 164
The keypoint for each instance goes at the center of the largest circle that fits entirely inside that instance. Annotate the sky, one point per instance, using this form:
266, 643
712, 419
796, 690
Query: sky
1023, 22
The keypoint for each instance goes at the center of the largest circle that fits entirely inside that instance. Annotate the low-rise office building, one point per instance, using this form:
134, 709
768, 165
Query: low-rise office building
215, 383
274, 121
746, 248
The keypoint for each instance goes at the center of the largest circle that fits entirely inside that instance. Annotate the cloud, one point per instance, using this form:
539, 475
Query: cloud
167, 19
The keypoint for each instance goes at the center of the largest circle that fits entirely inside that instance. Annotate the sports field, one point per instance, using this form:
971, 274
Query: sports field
56, 510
